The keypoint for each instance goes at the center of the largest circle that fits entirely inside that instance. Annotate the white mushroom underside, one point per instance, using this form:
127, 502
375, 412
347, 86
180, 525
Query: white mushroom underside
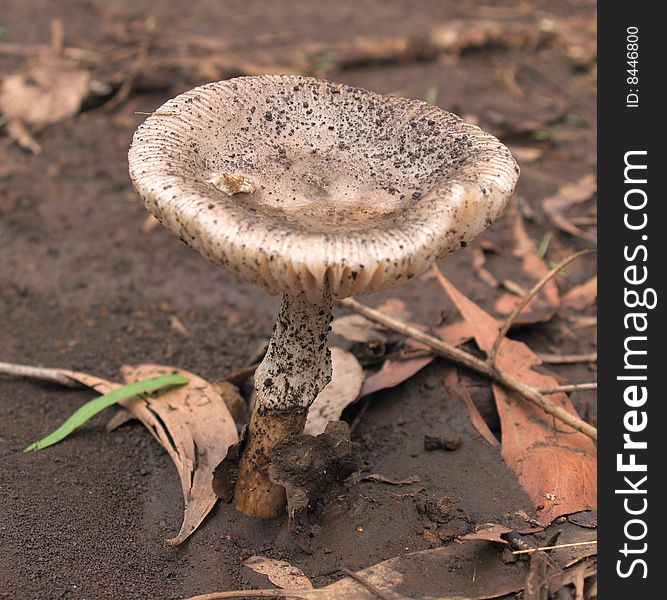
348, 188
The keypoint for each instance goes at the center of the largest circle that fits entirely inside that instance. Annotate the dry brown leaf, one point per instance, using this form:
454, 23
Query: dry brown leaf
358, 329
194, 426
393, 373
489, 532
45, 93
581, 296
279, 572
553, 463
570, 195
458, 389
544, 305
346, 380
191, 422
473, 573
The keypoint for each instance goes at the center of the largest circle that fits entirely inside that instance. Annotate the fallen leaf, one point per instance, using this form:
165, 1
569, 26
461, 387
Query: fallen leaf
566, 197
97, 405
192, 423
358, 329
195, 427
459, 390
473, 573
554, 464
581, 296
45, 93
494, 532
490, 532
393, 373
347, 377
279, 572
543, 306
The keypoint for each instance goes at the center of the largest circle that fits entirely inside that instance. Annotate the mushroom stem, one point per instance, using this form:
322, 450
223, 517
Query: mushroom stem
295, 369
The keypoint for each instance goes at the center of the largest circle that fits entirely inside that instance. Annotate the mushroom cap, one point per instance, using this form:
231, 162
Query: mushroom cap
297, 183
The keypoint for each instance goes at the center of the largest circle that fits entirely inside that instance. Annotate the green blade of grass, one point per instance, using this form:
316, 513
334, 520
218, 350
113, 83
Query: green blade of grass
90, 409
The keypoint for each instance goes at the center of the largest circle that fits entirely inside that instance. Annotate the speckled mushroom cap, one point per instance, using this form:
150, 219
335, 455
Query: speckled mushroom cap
292, 182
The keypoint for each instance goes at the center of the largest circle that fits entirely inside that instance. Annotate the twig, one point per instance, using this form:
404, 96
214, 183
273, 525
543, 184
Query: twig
269, 593
360, 415
368, 585
574, 387
530, 550
527, 298
38, 373
473, 363
563, 359
125, 89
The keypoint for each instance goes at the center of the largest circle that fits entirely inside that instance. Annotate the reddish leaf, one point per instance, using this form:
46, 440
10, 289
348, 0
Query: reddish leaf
393, 373
457, 388
544, 305
581, 296
555, 464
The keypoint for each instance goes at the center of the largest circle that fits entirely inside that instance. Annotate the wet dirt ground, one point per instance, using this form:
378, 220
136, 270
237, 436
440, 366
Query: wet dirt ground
81, 286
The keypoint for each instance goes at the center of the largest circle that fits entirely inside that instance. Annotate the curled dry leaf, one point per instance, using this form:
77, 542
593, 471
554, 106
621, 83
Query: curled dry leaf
191, 422
554, 464
279, 572
533, 268
568, 196
346, 380
195, 427
45, 93
419, 575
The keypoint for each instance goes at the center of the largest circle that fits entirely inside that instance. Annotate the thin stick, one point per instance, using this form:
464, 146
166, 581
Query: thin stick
574, 387
530, 550
509, 321
368, 585
269, 593
38, 373
562, 359
473, 363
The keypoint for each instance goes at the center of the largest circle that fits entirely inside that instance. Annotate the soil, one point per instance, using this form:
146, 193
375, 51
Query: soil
82, 287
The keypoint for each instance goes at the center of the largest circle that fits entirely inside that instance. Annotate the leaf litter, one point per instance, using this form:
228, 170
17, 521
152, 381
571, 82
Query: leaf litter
343, 389
97, 405
279, 572
533, 268
553, 463
191, 422
195, 427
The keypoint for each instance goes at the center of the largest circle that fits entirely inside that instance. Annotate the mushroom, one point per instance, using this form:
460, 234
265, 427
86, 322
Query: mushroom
319, 191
